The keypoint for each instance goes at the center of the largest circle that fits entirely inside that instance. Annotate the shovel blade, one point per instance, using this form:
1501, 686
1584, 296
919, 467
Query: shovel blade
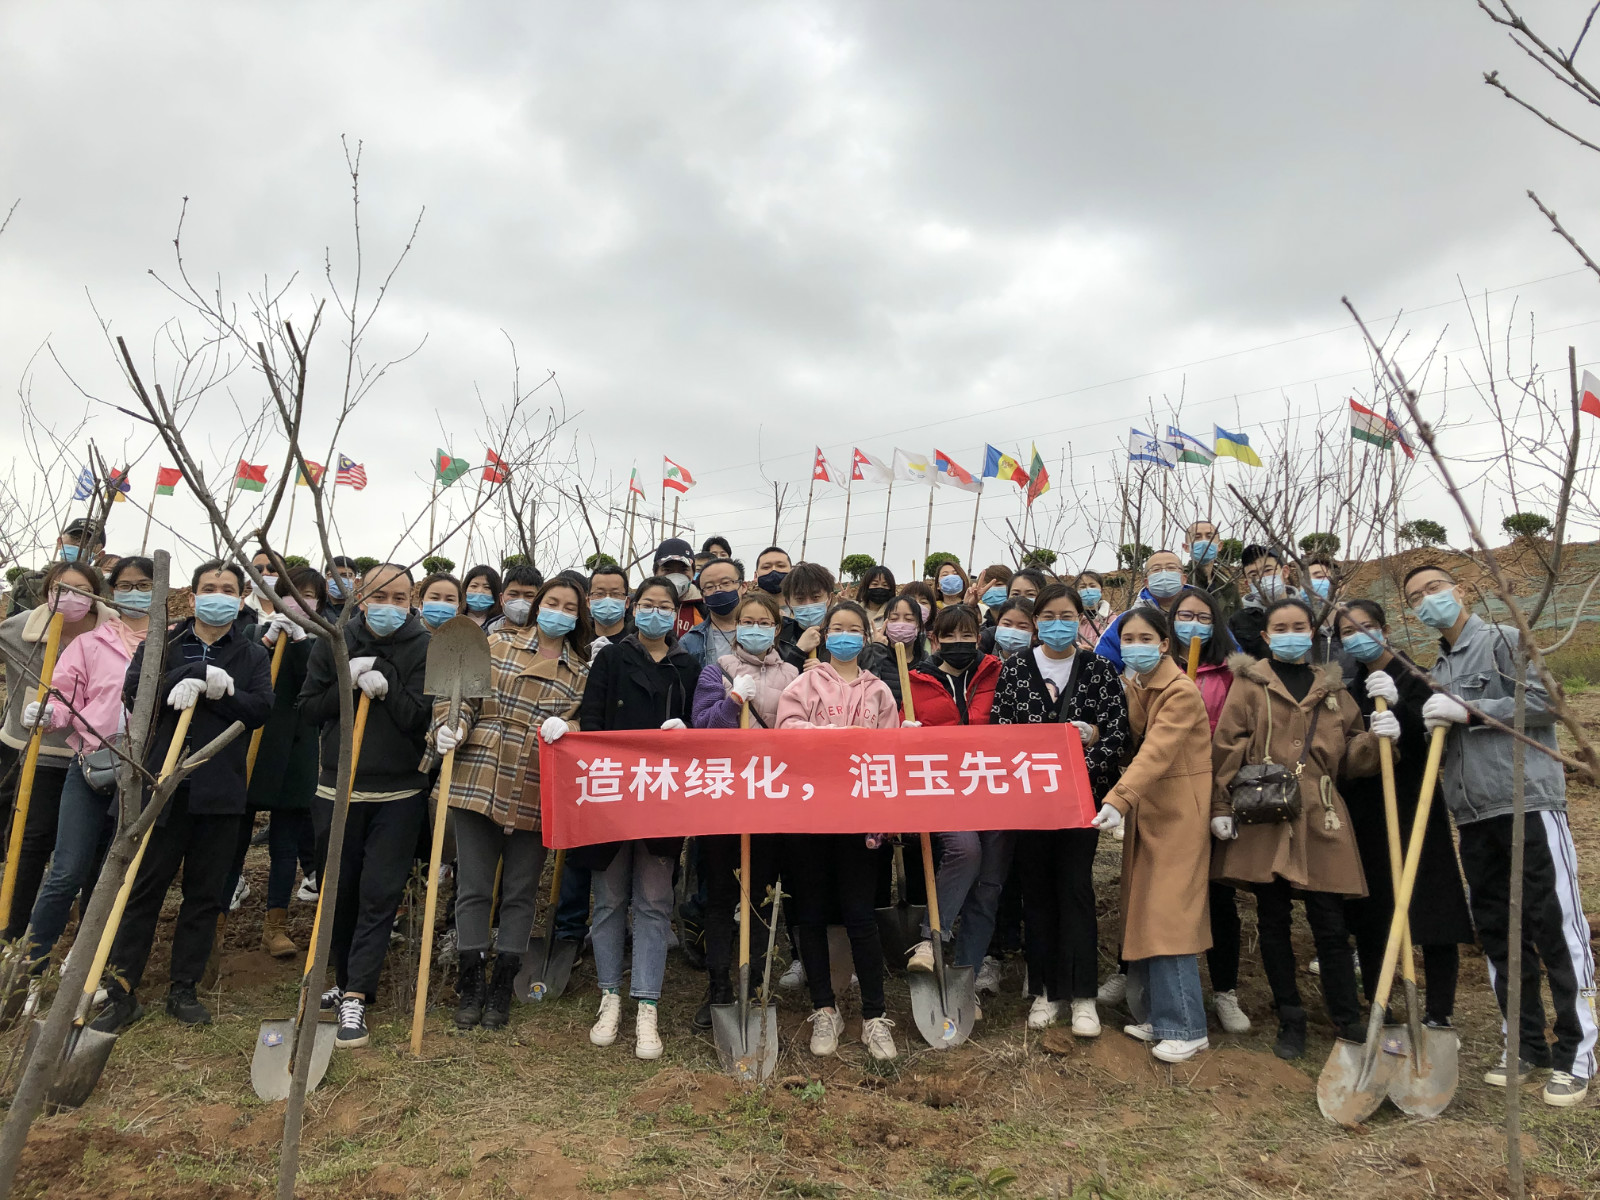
458, 653
944, 1016
900, 928
546, 969
1424, 1081
271, 1068
748, 1048
82, 1062
1355, 1079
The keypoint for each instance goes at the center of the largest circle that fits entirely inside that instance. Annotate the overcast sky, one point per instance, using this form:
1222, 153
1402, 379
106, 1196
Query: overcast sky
737, 231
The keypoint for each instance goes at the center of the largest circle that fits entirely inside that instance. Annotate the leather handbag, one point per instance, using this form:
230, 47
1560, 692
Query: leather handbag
1268, 793
100, 766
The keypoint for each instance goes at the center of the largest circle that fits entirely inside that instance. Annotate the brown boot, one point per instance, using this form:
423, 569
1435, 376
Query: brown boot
275, 934
214, 963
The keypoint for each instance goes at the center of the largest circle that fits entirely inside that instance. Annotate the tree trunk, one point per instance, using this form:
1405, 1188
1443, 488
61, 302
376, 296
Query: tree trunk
1519, 755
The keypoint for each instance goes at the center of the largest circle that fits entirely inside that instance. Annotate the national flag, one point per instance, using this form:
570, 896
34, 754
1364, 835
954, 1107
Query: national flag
167, 478
316, 471
1144, 448
1038, 477
350, 474
1375, 429
118, 486
822, 471
1591, 395
495, 470
1003, 466
1236, 446
913, 468
249, 477
1190, 449
675, 477
955, 474
447, 470
85, 487
634, 486
1399, 434
868, 469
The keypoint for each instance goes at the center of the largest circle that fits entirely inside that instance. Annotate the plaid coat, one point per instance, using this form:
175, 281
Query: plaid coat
497, 767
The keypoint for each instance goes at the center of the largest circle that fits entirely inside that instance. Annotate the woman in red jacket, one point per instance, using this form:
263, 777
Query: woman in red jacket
955, 686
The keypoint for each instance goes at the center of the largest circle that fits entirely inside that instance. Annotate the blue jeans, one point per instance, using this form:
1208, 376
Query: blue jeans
572, 908
642, 882
83, 831
971, 873
1165, 991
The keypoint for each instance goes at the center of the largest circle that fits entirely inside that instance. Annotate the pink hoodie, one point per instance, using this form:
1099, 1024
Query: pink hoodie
89, 674
820, 697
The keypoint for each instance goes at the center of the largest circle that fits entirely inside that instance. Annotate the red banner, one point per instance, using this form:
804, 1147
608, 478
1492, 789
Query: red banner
604, 787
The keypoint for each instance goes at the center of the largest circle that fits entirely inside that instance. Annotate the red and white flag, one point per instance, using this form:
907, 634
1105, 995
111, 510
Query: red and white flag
350, 474
634, 486
494, 470
868, 469
954, 474
823, 471
1591, 395
675, 477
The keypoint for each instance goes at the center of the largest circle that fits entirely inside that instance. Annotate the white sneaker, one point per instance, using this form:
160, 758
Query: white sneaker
241, 893
1231, 1017
921, 958
1085, 1021
1141, 1033
1564, 1090
1174, 1051
604, 1030
646, 1038
988, 979
308, 890
977, 1010
877, 1034
1114, 990
826, 1026
1043, 1013
793, 977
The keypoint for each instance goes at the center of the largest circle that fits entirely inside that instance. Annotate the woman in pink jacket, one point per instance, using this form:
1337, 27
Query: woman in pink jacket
837, 872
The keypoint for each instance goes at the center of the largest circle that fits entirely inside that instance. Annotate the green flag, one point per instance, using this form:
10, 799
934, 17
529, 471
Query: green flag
447, 470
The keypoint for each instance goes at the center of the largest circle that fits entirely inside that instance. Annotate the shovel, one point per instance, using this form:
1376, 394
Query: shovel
272, 1066
747, 1041
458, 667
547, 966
1356, 1079
255, 738
900, 925
30, 766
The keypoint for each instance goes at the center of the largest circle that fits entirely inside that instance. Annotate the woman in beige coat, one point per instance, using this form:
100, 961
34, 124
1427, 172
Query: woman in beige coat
1267, 718
1164, 799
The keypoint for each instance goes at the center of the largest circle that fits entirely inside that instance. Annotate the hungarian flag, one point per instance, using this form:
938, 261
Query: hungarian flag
953, 473
249, 477
868, 469
822, 471
1003, 466
675, 477
350, 474
447, 470
167, 478
1368, 426
1591, 395
315, 477
117, 486
495, 470
1038, 478
634, 486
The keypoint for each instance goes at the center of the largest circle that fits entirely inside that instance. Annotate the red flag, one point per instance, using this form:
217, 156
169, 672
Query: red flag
1591, 395
819, 469
250, 477
674, 476
495, 471
167, 478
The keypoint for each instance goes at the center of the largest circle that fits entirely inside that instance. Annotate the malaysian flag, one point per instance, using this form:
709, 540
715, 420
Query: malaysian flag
350, 474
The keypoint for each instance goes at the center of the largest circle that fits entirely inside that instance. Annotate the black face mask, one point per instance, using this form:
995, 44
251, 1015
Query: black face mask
960, 655
722, 603
772, 582
878, 595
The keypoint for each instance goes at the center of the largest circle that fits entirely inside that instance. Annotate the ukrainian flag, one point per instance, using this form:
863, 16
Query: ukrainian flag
1235, 445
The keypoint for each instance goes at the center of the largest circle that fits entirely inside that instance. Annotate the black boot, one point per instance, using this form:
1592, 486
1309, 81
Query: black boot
469, 989
719, 992
183, 1005
497, 1012
121, 1010
1291, 1041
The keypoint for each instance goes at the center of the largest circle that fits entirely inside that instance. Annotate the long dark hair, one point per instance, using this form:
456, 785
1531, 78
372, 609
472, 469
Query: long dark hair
492, 577
1215, 652
583, 632
917, 650
873, 573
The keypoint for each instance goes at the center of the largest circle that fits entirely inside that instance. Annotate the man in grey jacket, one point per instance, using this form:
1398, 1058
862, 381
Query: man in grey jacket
1477, 670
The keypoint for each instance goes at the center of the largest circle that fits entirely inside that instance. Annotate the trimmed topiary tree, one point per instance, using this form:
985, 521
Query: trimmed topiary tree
1320, 543
1423, 533
598, 560
1040, 559
1526, 525
857, 565
931, 565
438, 564
364, 564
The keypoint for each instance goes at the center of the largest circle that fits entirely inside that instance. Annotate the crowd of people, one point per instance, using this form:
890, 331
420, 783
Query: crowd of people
1288, 671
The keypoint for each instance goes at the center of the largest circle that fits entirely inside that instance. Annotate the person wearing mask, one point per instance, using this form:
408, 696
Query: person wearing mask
608, 606
717, 547
1264, 575
1287, 711
519, 590
952, 583
1476, 669
538, 673
340, 579
721, 583
674, 561
1097, 612
80, 542
903, 623
208, 665
874, 592
1163, 579
645, 681
86, 702
439, 599
1439, 917
1012, 631
837, 872
77, 591
921, 594
991, 591
751, 673
1201, 550
388, 649
262, 562
955, 686
807, 592
1061, 681
481, 587
772, 568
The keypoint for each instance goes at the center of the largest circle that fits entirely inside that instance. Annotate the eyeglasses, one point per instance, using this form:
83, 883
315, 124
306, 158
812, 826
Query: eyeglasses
1431, 588
716, 589
643, 607
1199, 618
764, 623
146, 586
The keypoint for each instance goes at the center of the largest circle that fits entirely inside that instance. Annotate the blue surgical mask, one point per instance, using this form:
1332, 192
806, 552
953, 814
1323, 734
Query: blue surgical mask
846, 647
137, 601
1322, 588
1203, 553
1290, 647
555, 623
1142, 657
69, 553
607, 610
1164, 585
214, 608
654, 622
1270, 587
757, 639
335, 587
951, 585
1364, 647
809, 616
1011, 640
1090, 598
436, 612
479, 602
1439, 610
384, 619
1187, 631
995, 597
1058, 635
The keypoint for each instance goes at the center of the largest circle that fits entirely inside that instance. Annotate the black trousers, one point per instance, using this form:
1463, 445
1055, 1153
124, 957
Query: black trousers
719, 865
1441, 965
1325, 914
1222, 960
1061, 935
1554, 933
38, 839
836, 873
380, 843
201, 846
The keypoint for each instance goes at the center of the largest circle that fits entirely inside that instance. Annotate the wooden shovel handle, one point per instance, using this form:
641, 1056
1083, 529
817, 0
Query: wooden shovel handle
1408, 877
1391, 814
930, 883
30, 767
255, 738
1194, 657
435, 854
906, 704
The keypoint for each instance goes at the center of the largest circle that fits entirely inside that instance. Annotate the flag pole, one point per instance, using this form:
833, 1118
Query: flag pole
288, 527
472, 523
663, 493
972, 547
927, 538
805, 532
433, 503
1350, 497
150, 513
883, 554
844, 539
675, 500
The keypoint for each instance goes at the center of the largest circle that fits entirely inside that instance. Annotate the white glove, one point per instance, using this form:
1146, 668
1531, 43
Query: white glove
218, 683
1106, 818
1440, 710
1380, 686
674, 723
1385, 725
743, 689
186, 693
279, 624
1222, 828
360, 666
34, 713
599, 644
553, 729
910, 724
447, 739
373, 685
1087, 732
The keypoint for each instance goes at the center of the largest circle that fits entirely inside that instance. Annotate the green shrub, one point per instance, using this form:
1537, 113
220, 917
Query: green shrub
934, 561
1040, 559
1320, 543
1526, 525
598, 560
438, 564
1423, 533
857, 565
